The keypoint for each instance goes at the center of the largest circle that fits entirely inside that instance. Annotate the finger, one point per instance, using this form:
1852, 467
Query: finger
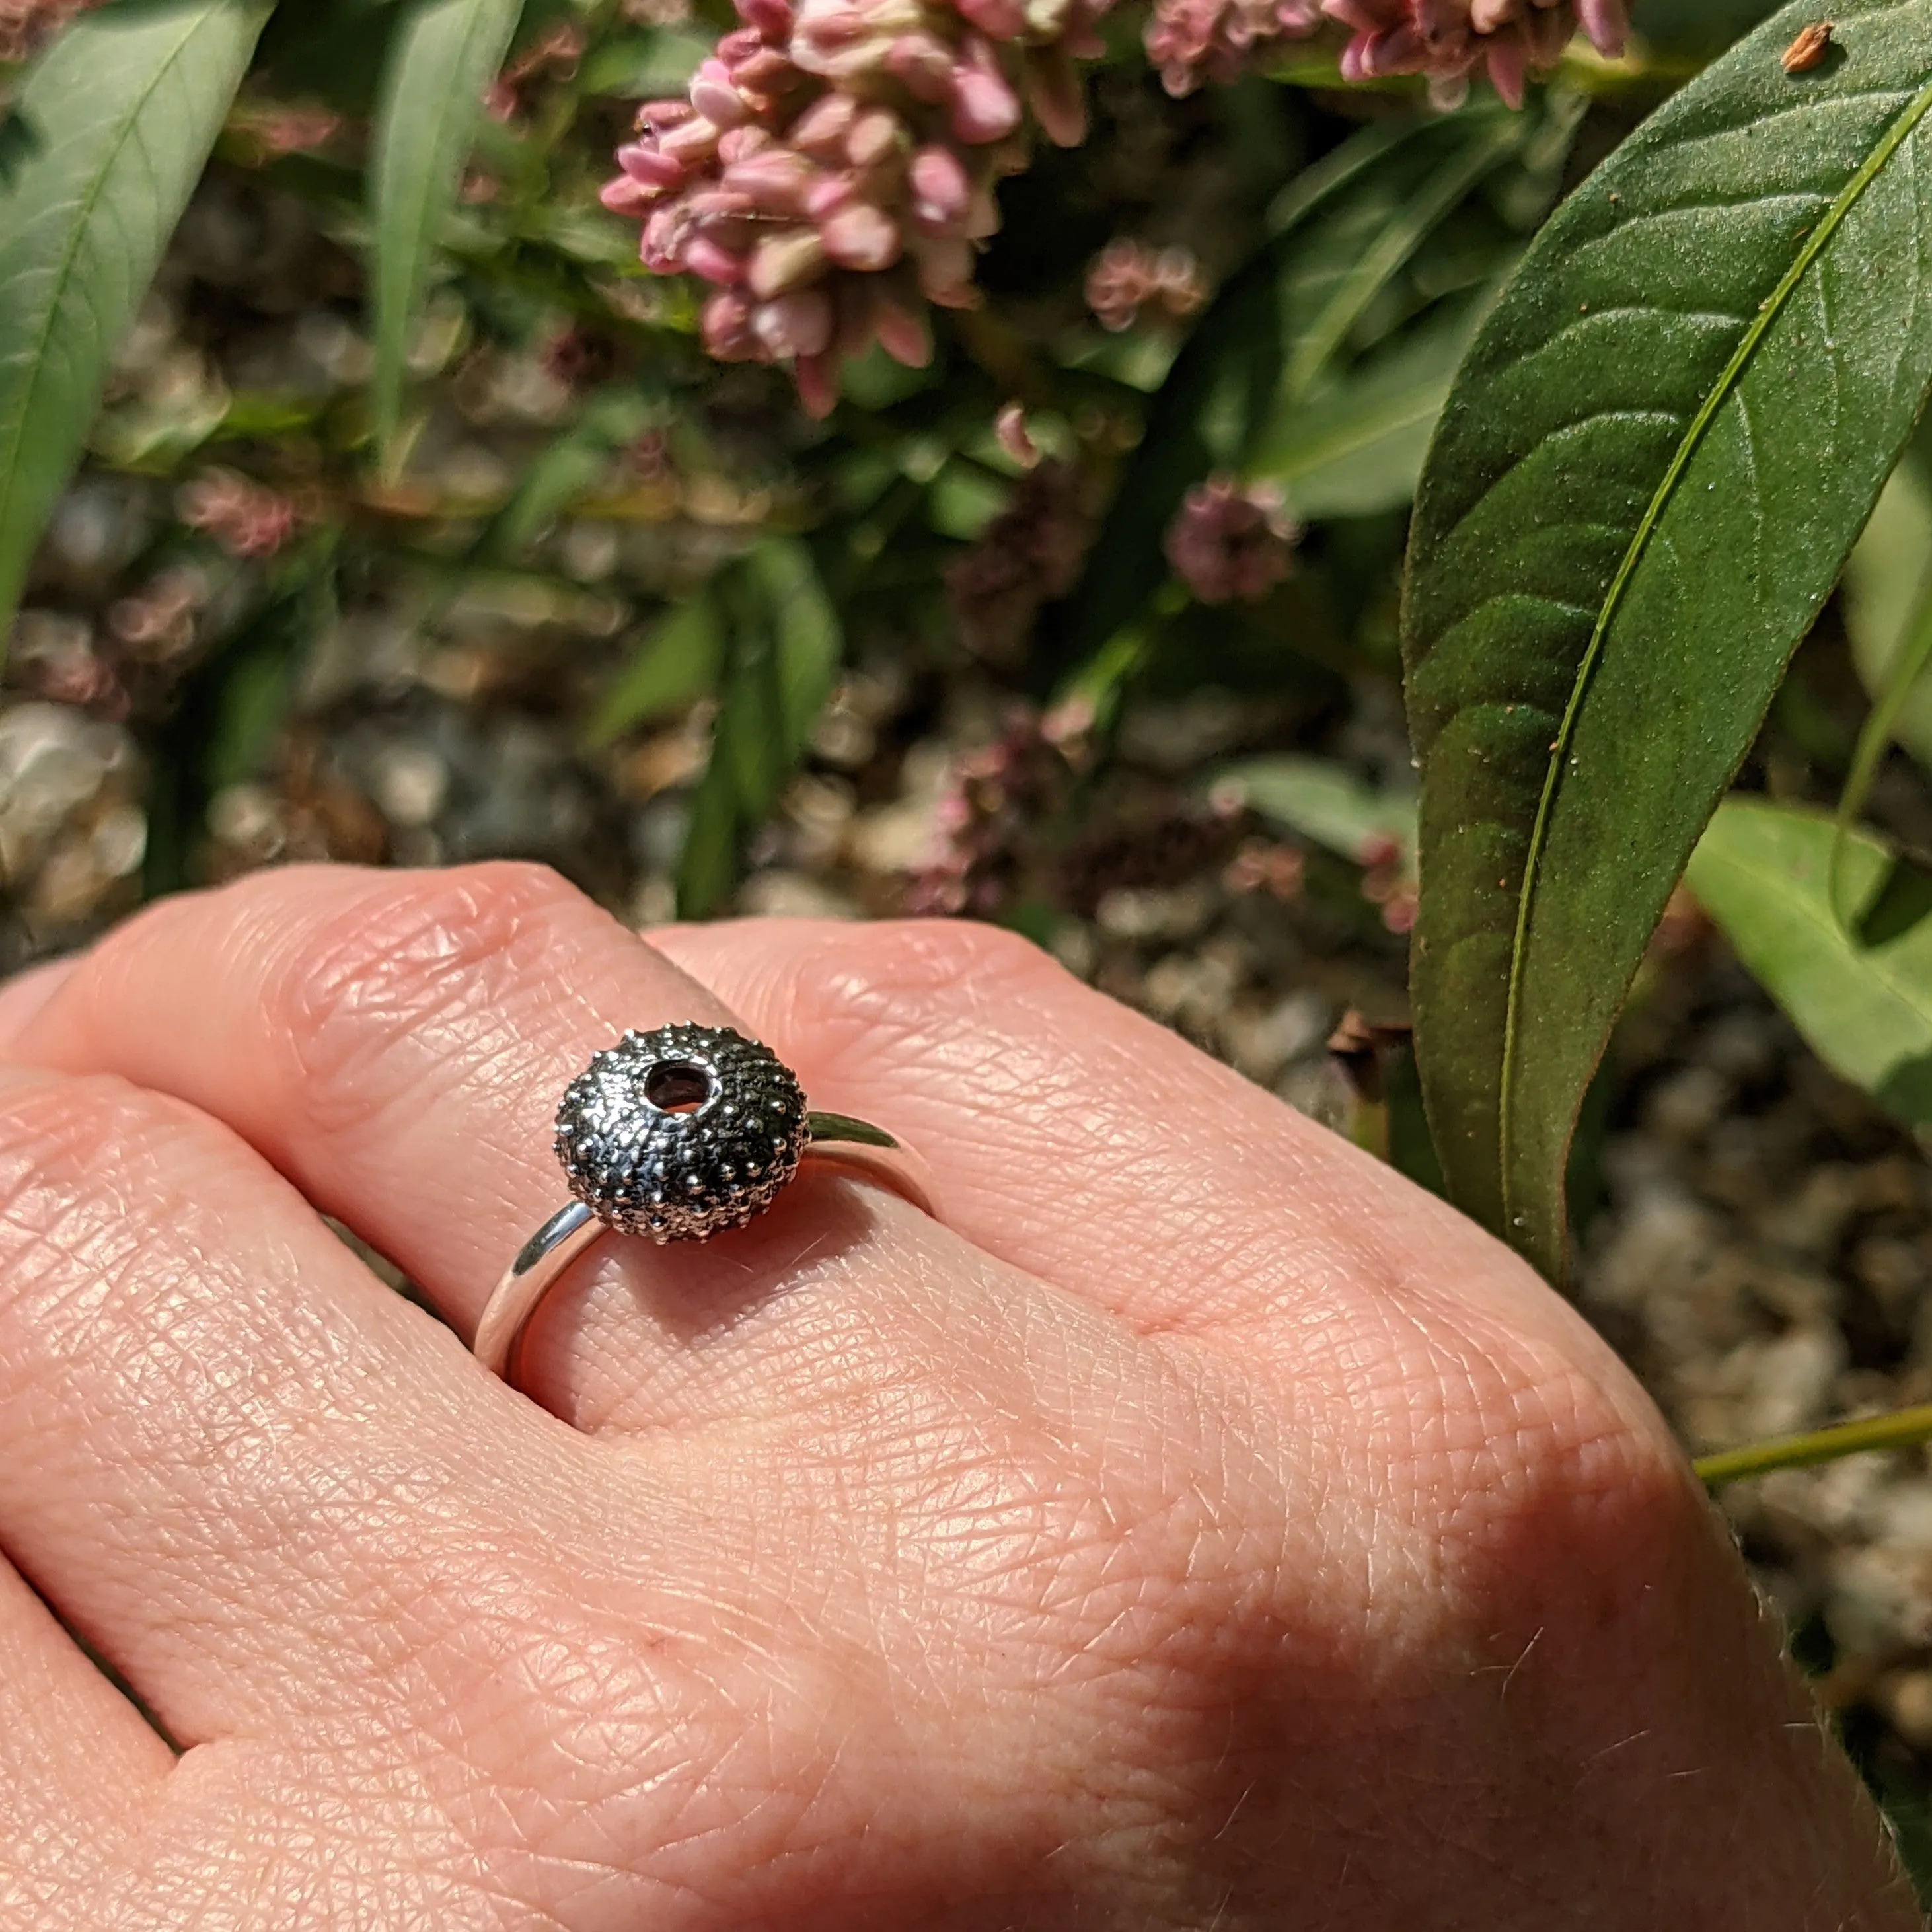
1080, 1142
79, 1765
219, 1433
26, 994
396, 1044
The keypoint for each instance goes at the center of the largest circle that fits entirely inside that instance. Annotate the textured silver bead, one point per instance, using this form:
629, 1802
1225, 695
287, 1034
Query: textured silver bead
681, 1132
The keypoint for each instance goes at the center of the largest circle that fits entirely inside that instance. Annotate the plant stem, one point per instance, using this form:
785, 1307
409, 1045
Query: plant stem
1900, 1429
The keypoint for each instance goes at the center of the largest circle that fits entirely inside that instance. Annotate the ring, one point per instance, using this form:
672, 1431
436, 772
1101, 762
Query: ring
679, 1134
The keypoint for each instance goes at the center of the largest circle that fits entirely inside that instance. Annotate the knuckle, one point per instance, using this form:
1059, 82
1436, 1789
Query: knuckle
435, 962
62, 1132
1506, 1428
76, 1151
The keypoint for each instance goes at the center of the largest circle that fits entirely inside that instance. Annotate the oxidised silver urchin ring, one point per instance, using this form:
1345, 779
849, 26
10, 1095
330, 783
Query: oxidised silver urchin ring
677, 1135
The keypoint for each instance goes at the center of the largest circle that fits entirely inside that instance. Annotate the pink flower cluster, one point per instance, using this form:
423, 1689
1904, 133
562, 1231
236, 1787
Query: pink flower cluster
1191, 41
1126, 277
246, 518
1029, 554
1229, 545
832, 169
25, 24
1449, 41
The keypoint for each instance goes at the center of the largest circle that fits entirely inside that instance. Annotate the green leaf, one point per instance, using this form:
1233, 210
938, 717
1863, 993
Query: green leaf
121, 115
1328, 802
232, 708
1902, 680
565, 470
1358, 448
446, 54
333, 53
1274, 329
679, 663
1885, 583
1655, 458
1862, 999
781, 657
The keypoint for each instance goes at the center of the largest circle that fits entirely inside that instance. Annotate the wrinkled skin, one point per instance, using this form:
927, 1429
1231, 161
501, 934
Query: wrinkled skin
1195, 1526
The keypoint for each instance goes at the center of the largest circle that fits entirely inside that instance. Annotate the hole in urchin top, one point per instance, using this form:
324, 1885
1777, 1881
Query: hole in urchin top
677, 1087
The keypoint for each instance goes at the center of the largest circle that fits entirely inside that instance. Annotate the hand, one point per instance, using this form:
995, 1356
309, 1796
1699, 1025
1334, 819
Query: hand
1196, 1527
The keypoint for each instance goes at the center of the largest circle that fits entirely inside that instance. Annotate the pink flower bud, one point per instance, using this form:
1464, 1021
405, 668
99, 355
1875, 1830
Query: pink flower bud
705, 256
660, 115
874, 136
725, 327
1604, 21
661, 246
776, 180
1054, 89
710, 206
862, 237
649, 167
763, 74
946, 273
998, 20
1447, 41
745, 43
715, 98
1229, 545
1508, 70
693, 144
901, 334
625, 197
982, 218
942, 195
1009, 432
821, 131
771, 18
799, 324
786, 261
984, 107
922, 66
828, 194
818, 379
825, 32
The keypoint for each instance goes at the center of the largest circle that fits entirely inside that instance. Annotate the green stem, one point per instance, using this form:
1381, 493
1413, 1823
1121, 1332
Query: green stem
1902, 678
1900, 1429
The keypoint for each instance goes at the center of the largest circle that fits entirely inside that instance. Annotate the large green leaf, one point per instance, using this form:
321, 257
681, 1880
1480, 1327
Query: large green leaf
446, 55
1652, 465
119, 120
1862, 998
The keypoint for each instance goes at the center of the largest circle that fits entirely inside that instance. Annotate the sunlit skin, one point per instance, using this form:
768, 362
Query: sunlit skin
1194, 1527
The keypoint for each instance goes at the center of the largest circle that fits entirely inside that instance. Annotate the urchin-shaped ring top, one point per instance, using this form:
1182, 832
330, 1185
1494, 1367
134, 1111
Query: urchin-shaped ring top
681, 1132
678, 1134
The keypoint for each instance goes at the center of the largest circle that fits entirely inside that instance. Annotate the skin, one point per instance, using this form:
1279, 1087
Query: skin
1195, 1527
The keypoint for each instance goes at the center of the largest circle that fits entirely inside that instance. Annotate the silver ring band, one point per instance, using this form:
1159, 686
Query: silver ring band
678, 1135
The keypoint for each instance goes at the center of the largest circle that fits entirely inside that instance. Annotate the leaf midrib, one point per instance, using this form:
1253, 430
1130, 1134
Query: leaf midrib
1896, 132
89, 201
